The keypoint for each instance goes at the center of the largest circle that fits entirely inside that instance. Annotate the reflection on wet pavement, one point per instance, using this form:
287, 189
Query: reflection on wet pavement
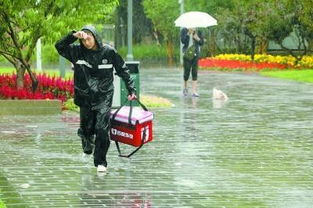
255, 150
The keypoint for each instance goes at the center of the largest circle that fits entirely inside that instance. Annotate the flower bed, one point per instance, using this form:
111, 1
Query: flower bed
48, 88
52, 87
261, 62
237, 65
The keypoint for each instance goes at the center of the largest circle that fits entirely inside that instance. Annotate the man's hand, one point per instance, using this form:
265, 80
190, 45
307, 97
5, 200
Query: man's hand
132, 97
81, 35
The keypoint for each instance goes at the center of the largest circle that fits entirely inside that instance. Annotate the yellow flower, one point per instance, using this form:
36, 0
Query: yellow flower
306, 62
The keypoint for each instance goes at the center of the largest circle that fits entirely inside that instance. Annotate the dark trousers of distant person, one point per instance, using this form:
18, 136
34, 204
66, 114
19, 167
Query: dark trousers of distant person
191, 66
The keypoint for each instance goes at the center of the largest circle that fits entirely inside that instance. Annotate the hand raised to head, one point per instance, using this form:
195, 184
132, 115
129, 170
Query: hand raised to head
80, 35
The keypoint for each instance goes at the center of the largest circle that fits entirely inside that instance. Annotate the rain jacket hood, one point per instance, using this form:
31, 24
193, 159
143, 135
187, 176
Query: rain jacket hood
92, 29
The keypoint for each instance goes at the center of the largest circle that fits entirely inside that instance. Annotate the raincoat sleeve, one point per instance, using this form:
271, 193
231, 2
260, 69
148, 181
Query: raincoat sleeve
184, 38
201, 41
66, 49
123, 72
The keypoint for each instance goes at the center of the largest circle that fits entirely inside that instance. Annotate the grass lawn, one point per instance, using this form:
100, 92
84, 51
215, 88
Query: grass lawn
5, 70
2, 205
68, 74
297, 75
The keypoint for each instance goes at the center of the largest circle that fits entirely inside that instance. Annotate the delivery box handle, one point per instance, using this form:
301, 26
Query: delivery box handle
142, 105
130, 109
130, 112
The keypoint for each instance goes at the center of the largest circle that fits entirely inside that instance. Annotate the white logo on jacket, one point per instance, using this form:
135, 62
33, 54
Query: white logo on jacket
83, 62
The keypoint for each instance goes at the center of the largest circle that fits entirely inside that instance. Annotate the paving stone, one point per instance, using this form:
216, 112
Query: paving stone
255, 150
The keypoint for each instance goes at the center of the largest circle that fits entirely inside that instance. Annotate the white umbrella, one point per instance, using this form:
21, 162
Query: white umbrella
195, 19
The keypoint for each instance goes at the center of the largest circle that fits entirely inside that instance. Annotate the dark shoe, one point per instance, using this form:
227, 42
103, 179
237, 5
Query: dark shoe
185, 92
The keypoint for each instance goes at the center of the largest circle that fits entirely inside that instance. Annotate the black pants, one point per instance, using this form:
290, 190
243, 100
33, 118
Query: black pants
191, 66
96, 122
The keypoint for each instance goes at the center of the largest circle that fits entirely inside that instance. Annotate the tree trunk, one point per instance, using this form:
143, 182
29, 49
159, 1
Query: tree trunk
20, 71
212, 44
262, 44
170, 52
252, 48
310, 46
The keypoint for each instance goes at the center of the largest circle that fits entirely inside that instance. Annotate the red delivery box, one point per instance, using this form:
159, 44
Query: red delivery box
131, 125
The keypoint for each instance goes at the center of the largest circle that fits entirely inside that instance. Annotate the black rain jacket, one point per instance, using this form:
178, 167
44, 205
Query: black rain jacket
93, 70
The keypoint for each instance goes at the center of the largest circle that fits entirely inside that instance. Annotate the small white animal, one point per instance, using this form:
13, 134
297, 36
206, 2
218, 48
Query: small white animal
219, 95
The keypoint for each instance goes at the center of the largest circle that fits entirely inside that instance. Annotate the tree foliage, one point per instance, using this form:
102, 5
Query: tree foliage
264, 21
163, 14
23, 22
291, 16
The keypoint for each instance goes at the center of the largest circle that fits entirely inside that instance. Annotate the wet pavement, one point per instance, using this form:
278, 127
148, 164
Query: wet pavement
255, 150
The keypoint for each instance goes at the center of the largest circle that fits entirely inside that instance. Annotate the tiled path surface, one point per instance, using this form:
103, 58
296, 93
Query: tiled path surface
256, 150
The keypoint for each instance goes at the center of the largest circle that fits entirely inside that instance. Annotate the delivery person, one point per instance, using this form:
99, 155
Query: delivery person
94, 66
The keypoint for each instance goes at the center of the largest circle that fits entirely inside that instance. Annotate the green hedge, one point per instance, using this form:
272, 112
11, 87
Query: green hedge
50, 55
140, 52
147, 51
2, 205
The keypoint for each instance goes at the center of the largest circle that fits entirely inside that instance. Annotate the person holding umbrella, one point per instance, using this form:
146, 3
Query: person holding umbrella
191, 40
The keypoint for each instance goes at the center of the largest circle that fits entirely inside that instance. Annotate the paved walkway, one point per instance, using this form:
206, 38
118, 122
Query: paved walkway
253, 151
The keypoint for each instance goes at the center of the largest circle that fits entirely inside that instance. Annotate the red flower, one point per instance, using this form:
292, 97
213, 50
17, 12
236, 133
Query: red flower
236, 64
48, 88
